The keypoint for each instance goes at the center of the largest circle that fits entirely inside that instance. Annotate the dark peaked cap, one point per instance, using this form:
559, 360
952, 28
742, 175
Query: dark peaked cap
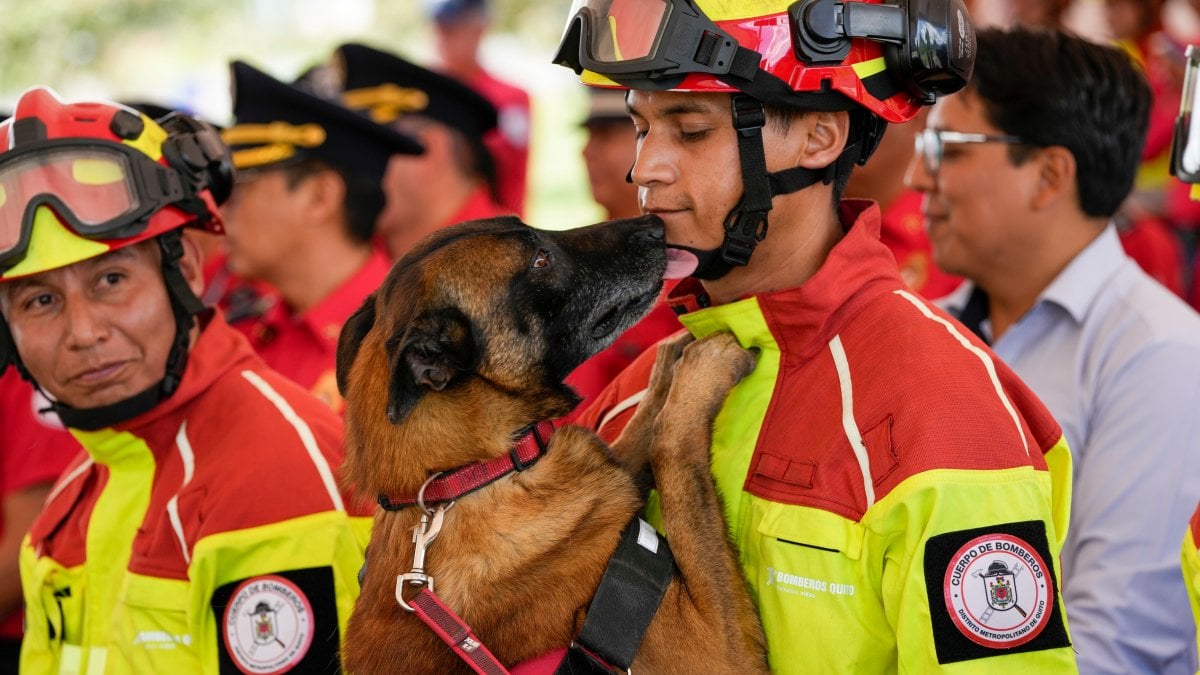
276, 122
387, 88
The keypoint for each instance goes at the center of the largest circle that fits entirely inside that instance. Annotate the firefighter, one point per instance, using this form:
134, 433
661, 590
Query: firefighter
157, 542
880, 457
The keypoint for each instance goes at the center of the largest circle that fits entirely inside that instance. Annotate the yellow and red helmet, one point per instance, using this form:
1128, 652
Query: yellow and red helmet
80, 179
888, 56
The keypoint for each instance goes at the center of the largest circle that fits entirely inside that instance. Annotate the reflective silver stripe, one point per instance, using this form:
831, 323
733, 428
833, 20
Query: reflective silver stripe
67, 479
848, 424
621, 407
305, 433
189, 468
988, 363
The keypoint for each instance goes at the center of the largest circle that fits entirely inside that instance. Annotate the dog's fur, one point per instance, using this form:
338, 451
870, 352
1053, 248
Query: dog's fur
465, 344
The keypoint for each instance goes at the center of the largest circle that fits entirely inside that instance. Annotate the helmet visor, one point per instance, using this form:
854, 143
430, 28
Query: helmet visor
99, 190
643, 39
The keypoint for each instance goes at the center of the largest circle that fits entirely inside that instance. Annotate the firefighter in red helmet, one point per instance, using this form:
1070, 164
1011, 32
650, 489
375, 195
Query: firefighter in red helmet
879, 455
147, 557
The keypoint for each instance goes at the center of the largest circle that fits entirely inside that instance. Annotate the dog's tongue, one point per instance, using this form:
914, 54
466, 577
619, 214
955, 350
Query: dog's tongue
680, 264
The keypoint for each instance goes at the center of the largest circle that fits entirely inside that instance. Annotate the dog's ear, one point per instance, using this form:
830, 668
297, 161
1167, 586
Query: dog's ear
436, 347
353, 332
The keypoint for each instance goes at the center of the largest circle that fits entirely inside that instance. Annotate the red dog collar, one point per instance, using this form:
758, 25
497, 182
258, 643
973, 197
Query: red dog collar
464, 480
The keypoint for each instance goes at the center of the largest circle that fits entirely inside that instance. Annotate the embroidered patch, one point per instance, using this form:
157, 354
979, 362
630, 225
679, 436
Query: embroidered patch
275, 623
992, 591
268, 625
987, 581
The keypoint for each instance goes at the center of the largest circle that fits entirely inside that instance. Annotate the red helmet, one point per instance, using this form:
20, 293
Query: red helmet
80, 179
888, 57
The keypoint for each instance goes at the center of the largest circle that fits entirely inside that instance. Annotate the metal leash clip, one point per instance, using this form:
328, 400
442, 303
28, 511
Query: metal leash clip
423, 535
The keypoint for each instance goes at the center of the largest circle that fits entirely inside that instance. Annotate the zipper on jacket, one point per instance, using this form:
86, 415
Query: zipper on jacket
59, 594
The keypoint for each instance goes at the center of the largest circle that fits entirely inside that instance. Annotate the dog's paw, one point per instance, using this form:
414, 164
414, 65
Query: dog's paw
708, 369
718, 356
665, 361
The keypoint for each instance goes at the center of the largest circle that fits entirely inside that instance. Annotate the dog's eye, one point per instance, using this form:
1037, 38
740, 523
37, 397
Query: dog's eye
540, 259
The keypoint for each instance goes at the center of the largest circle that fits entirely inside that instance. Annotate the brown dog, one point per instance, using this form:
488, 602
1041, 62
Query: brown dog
465, 345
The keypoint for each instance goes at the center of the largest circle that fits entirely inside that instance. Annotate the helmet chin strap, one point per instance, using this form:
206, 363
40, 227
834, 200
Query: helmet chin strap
185, 306
746, 224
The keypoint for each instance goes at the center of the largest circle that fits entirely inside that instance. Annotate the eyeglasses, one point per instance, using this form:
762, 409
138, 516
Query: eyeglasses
931, 144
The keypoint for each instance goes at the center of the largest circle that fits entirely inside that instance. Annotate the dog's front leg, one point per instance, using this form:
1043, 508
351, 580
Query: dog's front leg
713, 586
632, 447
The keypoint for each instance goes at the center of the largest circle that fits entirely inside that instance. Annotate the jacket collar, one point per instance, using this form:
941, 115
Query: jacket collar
817, 307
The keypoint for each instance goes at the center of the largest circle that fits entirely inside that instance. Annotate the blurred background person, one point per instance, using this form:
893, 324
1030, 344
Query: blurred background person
902, 229
302, 219
608, 154
1156, 228
1029, 13
1150, 222
451, 180
1021, 183
459, 29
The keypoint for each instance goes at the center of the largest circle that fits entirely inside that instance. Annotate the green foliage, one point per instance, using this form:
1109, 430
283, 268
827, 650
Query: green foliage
46, 40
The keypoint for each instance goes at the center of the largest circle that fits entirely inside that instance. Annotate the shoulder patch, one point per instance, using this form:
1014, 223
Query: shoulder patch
275, 623
992, 591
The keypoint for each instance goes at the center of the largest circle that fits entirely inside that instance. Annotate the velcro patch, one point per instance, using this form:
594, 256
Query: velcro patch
992, 591
278, 622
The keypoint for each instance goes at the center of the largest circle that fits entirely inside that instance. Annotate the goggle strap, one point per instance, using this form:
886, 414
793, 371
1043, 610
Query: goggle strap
745, 64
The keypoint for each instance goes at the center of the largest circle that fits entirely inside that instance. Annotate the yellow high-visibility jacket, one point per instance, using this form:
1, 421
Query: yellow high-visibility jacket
207, 535
898, 497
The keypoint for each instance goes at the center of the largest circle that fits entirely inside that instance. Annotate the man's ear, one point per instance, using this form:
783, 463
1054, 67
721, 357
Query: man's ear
824, 136
353, 332
1056, 176
434, 349
191, 264
325, 194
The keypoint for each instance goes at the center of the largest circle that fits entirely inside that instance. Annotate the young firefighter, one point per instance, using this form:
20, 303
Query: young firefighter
898, 497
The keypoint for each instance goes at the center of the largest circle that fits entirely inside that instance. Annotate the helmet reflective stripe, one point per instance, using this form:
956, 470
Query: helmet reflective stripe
53, 245
731, 10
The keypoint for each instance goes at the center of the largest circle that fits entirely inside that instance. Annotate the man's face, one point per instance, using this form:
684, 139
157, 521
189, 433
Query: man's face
977, 205
687, 168
96, 332
608, 154
262, 218
398, 222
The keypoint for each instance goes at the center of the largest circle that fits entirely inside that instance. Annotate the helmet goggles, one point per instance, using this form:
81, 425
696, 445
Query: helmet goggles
888, 56
98, 189
644, 40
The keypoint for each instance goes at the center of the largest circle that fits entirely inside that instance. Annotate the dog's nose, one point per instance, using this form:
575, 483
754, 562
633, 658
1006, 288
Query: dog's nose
650, 230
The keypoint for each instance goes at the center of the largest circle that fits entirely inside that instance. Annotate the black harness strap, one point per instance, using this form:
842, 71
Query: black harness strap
624, 604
